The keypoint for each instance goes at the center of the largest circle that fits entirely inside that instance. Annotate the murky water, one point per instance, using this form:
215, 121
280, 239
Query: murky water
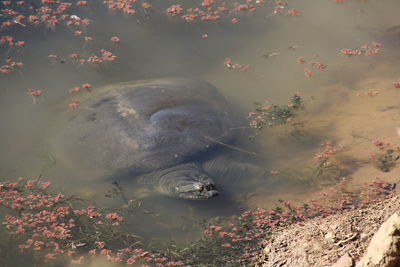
156, 45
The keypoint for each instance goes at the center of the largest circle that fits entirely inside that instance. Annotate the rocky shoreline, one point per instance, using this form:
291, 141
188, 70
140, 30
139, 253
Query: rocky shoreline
362, 237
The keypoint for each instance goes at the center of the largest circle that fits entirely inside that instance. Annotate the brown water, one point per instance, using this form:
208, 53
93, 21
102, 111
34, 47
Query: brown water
159, 45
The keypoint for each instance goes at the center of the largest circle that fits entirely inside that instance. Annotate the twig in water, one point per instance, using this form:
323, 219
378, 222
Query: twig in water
233, 147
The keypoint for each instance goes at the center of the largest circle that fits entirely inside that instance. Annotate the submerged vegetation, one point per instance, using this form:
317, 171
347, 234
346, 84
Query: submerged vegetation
271, 115
54, 228
58, 228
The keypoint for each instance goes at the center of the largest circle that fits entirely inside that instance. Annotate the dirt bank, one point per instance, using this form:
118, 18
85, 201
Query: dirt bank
322, 241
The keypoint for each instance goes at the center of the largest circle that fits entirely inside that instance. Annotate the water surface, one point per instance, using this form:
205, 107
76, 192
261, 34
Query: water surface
156, 45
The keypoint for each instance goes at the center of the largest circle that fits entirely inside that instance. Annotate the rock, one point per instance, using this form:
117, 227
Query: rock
329, 236
344, 261
384, 248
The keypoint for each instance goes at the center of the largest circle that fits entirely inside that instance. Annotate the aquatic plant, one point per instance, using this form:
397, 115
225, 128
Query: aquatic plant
10, 66
271, 115
231, 65
319, 65
325, 158
367, 50
396, 84
57, 228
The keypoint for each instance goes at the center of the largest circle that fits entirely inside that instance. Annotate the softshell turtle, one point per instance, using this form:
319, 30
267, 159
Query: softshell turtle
157, 128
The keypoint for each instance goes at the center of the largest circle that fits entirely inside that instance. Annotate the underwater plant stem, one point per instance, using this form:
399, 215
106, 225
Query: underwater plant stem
233, 147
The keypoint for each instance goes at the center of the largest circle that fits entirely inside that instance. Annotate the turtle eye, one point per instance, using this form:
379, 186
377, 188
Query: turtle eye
209, 186
201, 188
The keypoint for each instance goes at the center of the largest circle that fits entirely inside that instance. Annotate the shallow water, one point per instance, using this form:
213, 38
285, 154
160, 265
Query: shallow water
157, 45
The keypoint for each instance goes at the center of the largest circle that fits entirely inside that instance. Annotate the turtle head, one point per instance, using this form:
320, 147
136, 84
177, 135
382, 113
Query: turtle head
188, 184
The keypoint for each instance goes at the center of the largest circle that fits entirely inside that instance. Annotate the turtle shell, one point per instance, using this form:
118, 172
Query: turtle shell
143, 126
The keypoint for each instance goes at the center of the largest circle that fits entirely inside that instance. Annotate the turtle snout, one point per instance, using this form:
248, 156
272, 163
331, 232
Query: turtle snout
206, 181
198, 186
206, 189
207, 186
198, 190
188, 184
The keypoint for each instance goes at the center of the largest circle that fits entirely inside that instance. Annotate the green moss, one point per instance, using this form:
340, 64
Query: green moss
273, 115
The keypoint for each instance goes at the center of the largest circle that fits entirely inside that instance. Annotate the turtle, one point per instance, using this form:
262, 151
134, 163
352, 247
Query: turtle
159, 128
